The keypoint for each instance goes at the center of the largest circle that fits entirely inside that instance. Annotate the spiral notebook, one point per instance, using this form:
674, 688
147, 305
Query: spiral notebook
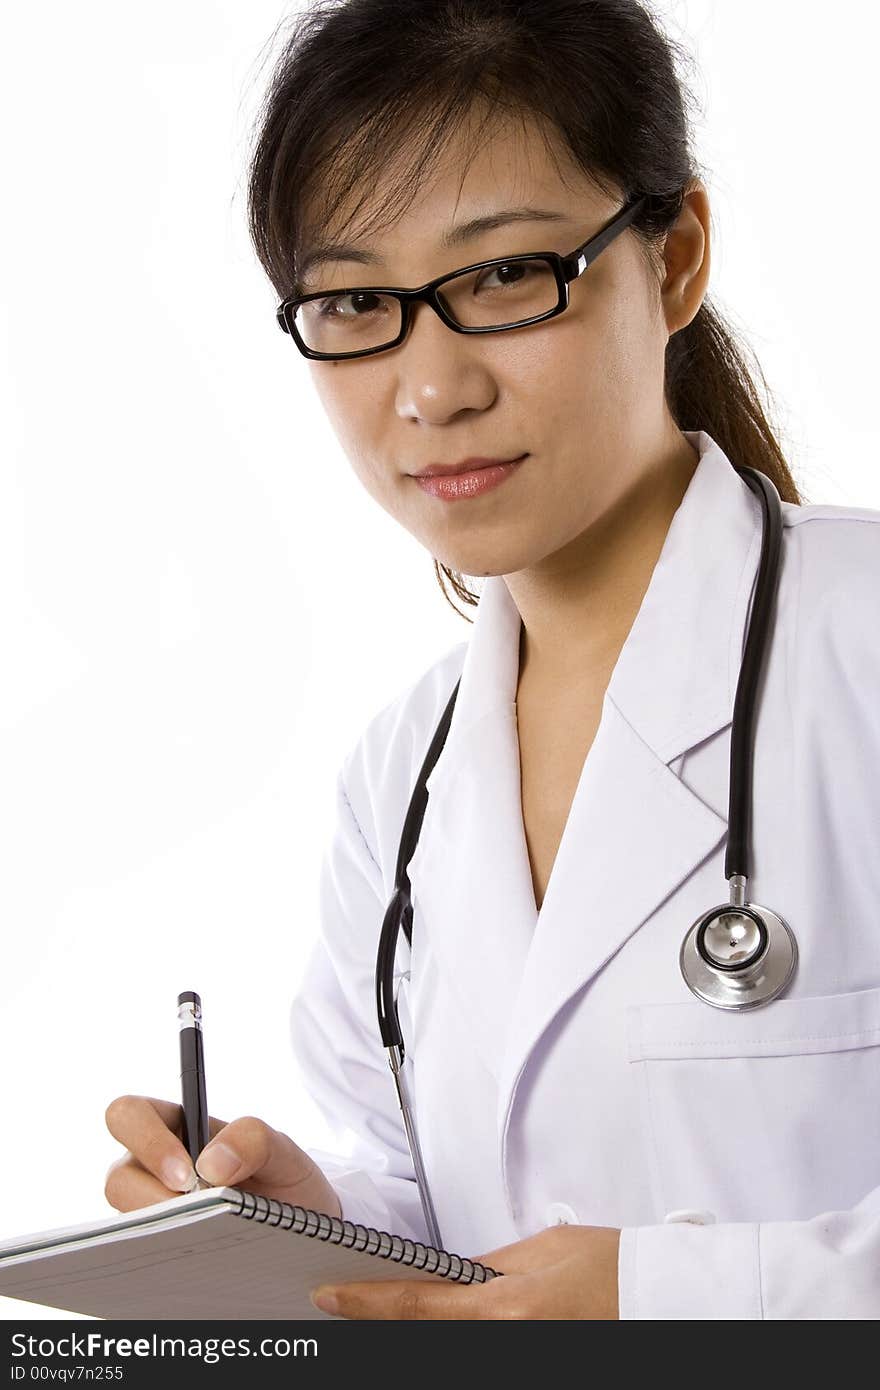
218, 1253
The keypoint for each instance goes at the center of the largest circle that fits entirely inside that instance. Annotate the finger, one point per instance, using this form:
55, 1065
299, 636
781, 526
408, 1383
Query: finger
249, 1149
128, 1186
169, 1112
150, 1129
404, 1299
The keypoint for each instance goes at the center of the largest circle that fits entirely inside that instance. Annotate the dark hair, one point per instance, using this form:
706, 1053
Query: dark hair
360, 81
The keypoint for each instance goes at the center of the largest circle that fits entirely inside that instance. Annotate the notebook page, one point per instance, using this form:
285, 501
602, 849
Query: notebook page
171, 1211
216, 1265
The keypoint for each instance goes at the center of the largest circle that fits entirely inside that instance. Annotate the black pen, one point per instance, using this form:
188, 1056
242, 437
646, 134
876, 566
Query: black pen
192, 1078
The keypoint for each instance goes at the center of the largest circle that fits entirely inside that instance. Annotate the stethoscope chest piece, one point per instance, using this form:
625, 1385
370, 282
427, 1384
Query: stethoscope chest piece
738, 956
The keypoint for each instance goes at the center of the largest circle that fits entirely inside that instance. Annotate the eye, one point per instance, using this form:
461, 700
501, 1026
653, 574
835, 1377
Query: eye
511, 273
329, 307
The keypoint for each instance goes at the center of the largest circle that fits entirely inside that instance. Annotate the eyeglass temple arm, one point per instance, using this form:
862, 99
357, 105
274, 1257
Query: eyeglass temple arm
579, 259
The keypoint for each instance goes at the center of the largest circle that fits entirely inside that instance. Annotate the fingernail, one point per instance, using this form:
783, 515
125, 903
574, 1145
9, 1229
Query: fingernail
326, 1300
179, 1175
218, 1164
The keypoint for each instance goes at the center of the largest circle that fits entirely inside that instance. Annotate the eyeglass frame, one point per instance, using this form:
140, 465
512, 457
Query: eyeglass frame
565, 269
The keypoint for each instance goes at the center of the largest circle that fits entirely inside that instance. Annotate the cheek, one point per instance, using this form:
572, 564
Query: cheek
353, 404
577, 372
593, 397
342, 396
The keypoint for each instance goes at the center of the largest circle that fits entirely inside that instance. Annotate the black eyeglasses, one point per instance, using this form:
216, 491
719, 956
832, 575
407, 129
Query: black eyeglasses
527, 289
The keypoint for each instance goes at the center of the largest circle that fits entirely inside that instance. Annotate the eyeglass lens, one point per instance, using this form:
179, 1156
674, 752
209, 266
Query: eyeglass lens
498, 296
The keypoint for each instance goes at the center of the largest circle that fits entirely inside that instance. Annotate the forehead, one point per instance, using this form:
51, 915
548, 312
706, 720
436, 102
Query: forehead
510, 163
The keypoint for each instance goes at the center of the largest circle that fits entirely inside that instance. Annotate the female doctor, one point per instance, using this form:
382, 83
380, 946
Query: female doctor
614, 1135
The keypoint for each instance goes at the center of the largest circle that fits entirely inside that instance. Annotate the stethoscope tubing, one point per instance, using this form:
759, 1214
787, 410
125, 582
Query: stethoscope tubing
737, 858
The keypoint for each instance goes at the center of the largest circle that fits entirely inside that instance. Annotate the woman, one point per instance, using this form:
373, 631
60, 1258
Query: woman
612, 1144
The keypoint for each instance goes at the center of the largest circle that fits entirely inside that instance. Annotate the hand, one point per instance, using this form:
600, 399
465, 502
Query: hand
562, 1272
247, 1153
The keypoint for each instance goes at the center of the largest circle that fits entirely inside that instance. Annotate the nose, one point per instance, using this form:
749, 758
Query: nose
441, 372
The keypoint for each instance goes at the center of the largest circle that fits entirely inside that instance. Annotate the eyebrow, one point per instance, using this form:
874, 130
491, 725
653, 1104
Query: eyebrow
455, 236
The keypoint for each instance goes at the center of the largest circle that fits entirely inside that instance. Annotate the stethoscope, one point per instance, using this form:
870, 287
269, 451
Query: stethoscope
737, 955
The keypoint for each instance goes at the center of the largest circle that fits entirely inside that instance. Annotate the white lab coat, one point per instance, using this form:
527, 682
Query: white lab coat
560, 1067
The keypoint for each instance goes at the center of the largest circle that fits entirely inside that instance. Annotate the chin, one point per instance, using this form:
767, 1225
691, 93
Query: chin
480, 566
489, 550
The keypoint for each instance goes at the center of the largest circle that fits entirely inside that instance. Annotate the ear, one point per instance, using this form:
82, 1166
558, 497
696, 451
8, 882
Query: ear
686, 257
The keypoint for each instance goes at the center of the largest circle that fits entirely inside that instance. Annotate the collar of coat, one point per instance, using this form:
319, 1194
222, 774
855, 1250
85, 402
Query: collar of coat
635, 831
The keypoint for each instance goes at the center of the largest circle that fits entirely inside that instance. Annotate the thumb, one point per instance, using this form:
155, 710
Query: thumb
249, 1148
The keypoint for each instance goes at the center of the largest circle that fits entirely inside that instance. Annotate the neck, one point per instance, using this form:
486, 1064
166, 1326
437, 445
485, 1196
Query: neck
578, 604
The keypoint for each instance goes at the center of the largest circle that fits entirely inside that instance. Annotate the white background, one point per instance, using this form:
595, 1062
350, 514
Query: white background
201, 608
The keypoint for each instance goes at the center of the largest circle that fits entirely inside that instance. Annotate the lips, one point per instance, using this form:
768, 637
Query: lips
471, 465
473, 482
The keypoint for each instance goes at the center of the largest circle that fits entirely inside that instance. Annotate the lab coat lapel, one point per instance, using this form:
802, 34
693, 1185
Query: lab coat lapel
635, 830
470, 877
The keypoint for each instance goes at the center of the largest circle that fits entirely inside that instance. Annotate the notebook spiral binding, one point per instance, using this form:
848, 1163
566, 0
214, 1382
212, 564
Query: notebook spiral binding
356, 1237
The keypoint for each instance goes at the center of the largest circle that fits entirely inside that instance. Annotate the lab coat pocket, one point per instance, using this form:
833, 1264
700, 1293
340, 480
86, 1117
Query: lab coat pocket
769, 1114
